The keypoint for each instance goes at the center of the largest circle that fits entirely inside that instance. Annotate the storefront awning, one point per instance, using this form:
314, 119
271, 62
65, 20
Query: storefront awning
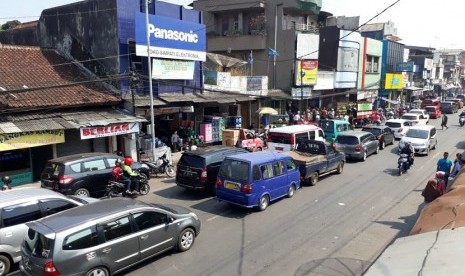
64, 120
207, 97
141, 101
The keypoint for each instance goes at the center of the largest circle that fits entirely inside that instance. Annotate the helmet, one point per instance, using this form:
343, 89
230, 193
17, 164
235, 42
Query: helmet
118, 162
6, 180
128, 161
440, 175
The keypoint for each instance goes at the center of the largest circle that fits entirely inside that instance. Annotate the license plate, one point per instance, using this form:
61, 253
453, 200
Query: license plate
279, 148
231, 186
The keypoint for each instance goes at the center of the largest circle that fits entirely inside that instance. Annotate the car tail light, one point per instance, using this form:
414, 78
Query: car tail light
358, 148
50, 270
203, 175
400, 130
380, 137
292, 139
65, 179
219, 183
246, 188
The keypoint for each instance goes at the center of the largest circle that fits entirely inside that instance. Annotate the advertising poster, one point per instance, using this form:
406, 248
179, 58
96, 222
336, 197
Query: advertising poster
110, 130
173, 69
394, 81
308, 71
22, 140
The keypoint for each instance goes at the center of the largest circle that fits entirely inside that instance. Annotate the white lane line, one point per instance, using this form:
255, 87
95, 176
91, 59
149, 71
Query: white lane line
212, 218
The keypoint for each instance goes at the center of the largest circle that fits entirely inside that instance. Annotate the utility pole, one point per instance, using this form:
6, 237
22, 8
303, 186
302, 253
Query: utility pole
149, 60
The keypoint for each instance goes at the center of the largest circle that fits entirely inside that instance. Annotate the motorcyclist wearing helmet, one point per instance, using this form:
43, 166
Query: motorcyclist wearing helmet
6, 182
118, 174
410, 151
129, 173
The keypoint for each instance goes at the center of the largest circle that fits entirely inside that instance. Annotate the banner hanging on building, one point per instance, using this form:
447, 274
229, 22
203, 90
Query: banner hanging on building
394, 81
173, 69
170, 38
308, 72
23, 140
110, 130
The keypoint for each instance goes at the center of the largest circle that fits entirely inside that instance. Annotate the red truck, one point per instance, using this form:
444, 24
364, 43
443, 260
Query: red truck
244, 138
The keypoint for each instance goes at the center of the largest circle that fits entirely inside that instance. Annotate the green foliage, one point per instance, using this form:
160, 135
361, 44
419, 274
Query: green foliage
10, 25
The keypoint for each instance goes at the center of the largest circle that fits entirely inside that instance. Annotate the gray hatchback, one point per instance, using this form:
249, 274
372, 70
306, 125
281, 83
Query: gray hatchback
357, 145
105, 238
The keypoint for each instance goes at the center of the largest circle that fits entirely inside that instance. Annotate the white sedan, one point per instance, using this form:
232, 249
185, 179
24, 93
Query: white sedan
422, 112
398, 126
414, 118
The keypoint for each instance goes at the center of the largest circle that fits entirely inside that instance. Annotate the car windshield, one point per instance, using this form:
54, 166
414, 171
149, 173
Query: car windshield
192, 161
235, 169
38, 245
347, 140
417, 133
327, 126
375, 131
446, 104
393, 124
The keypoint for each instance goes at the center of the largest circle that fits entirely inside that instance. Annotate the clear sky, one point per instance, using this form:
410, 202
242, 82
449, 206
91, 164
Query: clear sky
424, 23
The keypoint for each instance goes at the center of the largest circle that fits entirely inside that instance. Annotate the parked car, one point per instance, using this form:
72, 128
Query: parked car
316, 158
198, 169
84, 174
414, 118
21, 205
423, 139
383, 133
285, 138
333, 128
256, 179
398, 126
449, 107
105, 238
434, 112
421, 112
357, 145
434, 101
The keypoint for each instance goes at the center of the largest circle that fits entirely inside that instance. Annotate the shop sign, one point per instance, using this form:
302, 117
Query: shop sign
170, 38
171, 110
364, 106
30, 139
172, 69
394, 81
366, 94
306, 74
405, 66
110, 130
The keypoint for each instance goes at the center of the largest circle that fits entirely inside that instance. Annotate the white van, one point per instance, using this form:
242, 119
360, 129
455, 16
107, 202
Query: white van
422, 138
285, 138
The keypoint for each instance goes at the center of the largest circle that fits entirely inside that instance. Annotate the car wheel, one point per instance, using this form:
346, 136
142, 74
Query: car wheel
98, 271
427, 151
263, 203
314, 179
170, 171
382, 145
186, 239
82, 192
435, 145
377, 150
4, 265
291, 191
340, 168
364, 157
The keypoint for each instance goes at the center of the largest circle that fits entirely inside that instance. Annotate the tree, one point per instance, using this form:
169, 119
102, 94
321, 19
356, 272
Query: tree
10, 25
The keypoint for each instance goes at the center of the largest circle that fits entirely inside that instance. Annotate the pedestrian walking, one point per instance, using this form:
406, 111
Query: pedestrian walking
444, 121
444, 165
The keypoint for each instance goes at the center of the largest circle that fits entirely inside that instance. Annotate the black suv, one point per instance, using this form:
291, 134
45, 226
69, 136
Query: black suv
84, 174
383, 133
198, 169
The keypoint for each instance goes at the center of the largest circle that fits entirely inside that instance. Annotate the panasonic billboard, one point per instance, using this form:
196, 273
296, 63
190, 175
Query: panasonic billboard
170, 38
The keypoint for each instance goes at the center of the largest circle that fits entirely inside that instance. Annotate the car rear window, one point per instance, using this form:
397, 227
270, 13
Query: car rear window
446, 104
375, 131
430, 109
347, 140
283, 138
393, 125
327, 126
192, 161
409, 117
53, 168
38, 245
235, 169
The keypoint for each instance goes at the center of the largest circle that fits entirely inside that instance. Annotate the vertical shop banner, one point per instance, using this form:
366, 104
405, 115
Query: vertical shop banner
173, 69
30, 139
170, 38
308, 72
110, 130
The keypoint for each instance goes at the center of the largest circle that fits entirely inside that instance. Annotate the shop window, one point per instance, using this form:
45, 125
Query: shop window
14, 160
372, 64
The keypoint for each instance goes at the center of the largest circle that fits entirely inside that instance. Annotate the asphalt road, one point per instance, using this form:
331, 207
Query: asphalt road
338, 227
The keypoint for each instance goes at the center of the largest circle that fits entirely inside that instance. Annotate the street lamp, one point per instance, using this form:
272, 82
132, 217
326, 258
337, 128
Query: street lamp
149, 59
275, 41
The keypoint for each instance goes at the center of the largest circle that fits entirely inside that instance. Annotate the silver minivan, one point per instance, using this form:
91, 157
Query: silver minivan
21, 205
105, 238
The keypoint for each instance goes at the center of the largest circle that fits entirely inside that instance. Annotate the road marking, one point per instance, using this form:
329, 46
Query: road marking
212, 218
406, 179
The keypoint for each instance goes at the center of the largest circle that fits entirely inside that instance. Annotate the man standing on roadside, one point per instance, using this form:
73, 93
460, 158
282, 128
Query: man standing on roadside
445, 165
444, 121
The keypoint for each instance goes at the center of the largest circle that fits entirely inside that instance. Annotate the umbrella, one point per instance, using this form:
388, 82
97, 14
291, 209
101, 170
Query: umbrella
267, 110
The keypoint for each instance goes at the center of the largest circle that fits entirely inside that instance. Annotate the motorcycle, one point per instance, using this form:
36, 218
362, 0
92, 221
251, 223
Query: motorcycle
118, 189
403, 163
462, 119
164, 167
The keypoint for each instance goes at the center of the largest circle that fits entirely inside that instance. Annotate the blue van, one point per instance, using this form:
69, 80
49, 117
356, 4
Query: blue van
332, 128
256, 179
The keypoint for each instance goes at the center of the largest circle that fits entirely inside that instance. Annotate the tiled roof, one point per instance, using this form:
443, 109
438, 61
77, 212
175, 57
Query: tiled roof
31, 24
32, 67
